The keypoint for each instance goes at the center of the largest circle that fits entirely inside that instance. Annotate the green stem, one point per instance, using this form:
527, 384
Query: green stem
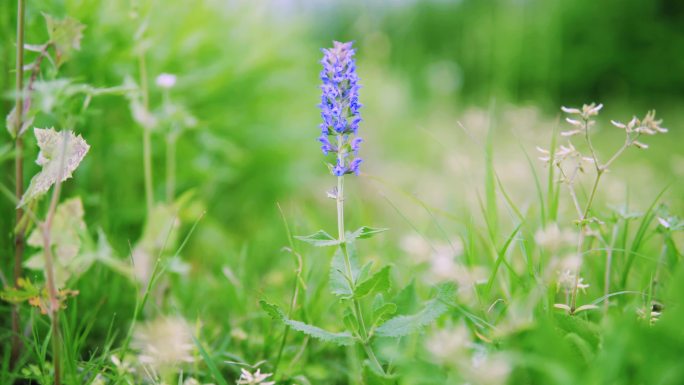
18, 177
358, 313
170, 166
53, 295
582, 226
593, 194
147, 141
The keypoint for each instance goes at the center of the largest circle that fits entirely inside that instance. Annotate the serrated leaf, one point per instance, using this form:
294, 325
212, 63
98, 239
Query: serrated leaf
408, 324
343, 338
60, 154
380, 281
65, 34
319, 239
339, 284
365, 232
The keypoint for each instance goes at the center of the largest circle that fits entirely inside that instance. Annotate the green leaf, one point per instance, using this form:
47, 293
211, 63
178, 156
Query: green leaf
319, 239
66, 35
215, 372
350, 321
339, 283
406, 299
343, 338
586, 330
382, 311
371, 376
365, 232
60, 154
408, 324
24, 292
380, 281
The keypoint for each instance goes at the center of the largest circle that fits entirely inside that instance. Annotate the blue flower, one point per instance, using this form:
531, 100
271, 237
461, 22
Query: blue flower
339, 169
354, 166
340, 108
355, 144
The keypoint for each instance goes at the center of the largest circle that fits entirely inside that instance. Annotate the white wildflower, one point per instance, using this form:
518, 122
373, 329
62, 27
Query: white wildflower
416, 247
448, 343
166, 81
164, 343
552, 238
567, 280
256, 378
488, 369
570, 110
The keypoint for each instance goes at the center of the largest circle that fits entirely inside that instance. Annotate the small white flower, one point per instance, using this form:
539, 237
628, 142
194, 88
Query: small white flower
591, 109
552, 238
574, 122
566, 281
446, 344
417, 248
256, 378
569, 110
166, 80
618, 124
164, 343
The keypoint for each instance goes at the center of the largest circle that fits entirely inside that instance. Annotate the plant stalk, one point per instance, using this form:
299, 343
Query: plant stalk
343, 245
19, 241
583, 217
53, 295
147, 136
171, 140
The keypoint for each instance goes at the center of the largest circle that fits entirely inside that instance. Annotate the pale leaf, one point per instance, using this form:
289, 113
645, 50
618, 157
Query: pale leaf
60, 154
66, 35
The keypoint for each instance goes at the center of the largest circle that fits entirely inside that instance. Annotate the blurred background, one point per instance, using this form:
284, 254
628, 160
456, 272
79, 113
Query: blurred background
436, 76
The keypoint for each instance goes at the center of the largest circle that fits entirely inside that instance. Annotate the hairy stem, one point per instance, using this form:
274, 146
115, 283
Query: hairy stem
18, 178
356, 308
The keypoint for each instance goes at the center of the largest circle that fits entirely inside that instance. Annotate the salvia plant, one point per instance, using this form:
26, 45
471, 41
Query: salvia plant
350, 281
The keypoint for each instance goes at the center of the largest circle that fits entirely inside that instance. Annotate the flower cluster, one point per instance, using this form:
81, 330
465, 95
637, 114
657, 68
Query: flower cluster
585, 114
646, 126
340, 108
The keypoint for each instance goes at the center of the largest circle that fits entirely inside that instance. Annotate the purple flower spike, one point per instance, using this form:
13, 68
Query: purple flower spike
340, 108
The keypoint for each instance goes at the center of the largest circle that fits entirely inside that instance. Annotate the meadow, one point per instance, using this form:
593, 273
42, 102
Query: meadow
311, 192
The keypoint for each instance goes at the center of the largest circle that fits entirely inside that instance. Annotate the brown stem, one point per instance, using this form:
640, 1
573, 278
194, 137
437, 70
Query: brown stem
34, 75
18, 179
